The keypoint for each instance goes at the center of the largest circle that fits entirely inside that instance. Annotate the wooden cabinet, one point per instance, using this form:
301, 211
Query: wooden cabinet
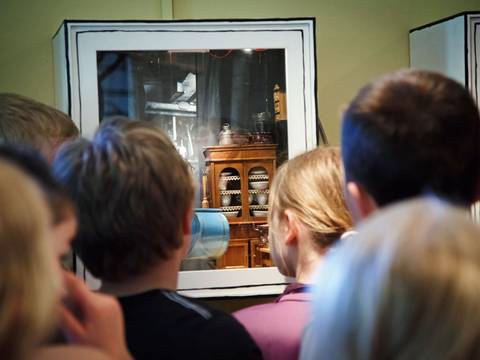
237, 255
239, 180
255, 255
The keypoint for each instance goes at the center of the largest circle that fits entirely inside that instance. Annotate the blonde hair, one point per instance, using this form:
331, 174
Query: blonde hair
407, 287
27, 280
311, 185
24, 120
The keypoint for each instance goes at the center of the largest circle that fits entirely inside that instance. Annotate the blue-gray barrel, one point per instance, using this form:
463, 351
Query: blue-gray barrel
210, 234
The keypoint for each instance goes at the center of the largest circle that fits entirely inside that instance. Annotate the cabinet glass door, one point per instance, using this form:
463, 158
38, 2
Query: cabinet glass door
230, 193
258, 191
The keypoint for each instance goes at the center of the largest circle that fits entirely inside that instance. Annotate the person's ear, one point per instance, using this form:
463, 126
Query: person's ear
477, 193
291, 227
187, 230
359, 201
187, 221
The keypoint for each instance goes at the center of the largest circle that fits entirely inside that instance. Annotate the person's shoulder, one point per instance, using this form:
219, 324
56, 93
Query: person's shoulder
266, 320
223, 335
226, 337
211, 333
257, 316
289, 305
71, 352
195, 307
253, 311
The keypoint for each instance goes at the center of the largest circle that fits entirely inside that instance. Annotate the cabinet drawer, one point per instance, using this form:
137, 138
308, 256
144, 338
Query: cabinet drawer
243, 231
236, 255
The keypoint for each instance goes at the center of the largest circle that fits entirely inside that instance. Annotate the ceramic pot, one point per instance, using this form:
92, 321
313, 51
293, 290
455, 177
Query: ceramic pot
226, 199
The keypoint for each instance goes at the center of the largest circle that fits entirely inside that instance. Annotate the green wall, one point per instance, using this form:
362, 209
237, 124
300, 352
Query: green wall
26, 30
356, 40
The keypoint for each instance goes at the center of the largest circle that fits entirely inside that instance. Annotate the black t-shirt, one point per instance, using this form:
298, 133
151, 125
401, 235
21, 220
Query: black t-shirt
161, 324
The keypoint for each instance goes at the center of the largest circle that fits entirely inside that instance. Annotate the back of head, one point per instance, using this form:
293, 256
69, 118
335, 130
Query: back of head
28, 283
412, 132
24, 120
132, 190
311, 186
35, 166
407, 286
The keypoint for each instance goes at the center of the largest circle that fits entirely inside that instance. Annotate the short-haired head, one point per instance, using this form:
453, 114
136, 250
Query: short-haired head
35, 165
63, 217
413, 132
24, 120
132, 190
29, 283
405, 286
310, 187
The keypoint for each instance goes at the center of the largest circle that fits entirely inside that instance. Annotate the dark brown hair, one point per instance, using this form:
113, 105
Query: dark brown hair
413, 132
132, 190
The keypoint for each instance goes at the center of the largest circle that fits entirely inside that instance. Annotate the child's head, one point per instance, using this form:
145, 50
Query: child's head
412, 132
24, 120
133, 193
407, 287
29, 283
306, 201
63, 219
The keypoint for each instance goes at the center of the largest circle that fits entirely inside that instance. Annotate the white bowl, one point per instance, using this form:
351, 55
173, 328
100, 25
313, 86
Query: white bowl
230, 214
259, 185
262, 198
259, 213
226, 199
258, 171
222, 183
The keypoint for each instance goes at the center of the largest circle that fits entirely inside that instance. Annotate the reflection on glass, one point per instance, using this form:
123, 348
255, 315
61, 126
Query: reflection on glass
202, 98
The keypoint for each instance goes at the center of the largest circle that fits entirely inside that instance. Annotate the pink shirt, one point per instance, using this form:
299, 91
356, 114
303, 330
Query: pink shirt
277, 327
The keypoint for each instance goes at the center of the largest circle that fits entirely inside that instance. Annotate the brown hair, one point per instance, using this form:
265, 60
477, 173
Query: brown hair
24, 120
413, 132
28, 282
132, 190
311, 185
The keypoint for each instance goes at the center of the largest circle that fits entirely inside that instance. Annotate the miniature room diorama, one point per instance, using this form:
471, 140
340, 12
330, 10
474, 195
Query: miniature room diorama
225, 97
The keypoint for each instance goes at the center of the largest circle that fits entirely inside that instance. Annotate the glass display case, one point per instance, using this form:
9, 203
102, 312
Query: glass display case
451, 46
234, 85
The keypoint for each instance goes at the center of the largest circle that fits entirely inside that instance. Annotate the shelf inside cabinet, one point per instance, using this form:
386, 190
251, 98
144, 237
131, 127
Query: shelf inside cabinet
258, 191
228, 192
258, 207
231, 208
230, 178
258, 177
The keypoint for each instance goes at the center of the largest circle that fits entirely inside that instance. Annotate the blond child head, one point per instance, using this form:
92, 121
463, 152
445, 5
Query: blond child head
407, 286
29, 282
307, 206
